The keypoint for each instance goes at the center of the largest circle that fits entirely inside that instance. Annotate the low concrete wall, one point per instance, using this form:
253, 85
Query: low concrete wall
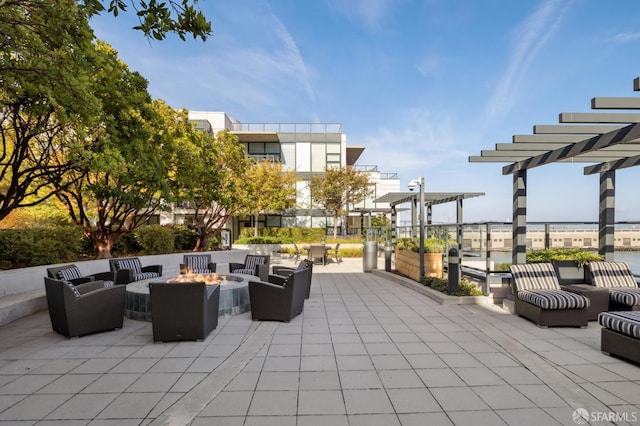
22, 290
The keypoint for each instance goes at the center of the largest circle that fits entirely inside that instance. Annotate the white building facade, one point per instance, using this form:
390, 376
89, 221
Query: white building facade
307, 148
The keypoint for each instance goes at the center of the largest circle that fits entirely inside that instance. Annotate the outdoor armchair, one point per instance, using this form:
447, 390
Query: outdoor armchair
280, 299
183, 311
72, 274
254, 264
128, 270
285, 271
197, 264
538, 297
624, 293
84, 308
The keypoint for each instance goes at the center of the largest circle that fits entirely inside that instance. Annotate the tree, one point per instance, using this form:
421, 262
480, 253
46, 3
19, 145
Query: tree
46, 56
121, 178
337, 187
209, 173
268, 189
157, 19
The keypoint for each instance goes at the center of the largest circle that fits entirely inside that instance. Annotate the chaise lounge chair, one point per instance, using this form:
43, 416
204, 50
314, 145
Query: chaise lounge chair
538, 297
624, 293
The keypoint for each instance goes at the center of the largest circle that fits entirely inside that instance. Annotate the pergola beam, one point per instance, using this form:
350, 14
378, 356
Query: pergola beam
625, 134
598, 117
615, 103
621, 163
559, 138
581, 129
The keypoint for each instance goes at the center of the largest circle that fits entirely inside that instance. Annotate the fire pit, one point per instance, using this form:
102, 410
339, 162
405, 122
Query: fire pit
234, 293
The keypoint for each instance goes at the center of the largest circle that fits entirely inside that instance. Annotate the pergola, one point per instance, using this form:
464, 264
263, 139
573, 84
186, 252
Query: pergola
430, 199
608, 141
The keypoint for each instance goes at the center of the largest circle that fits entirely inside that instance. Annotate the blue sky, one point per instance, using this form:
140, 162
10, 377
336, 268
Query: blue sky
422, 84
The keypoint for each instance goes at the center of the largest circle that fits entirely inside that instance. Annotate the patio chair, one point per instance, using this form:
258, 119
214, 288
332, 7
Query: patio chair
285, 271
539, 298
318, 251
334, 250
72, 274
624, 293
254, 264
280, 298
76, 310
183, 311
297, 252
197, 264
128, 270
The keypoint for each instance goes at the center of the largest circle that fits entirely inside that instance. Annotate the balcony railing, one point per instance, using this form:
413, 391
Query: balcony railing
288, 127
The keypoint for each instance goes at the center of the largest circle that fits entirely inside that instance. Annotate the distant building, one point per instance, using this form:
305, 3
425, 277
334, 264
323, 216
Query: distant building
307, 148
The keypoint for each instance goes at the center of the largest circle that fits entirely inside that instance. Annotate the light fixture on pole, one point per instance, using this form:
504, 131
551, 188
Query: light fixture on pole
420, 183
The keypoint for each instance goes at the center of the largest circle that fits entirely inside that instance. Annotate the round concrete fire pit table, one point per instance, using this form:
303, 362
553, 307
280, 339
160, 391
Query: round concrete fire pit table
234, 296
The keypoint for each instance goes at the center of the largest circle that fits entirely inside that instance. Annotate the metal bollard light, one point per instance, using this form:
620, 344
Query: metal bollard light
388, 251
453, 270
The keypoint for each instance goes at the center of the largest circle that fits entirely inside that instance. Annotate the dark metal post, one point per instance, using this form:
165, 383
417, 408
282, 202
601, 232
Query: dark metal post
453, 269
421, 221
388, 251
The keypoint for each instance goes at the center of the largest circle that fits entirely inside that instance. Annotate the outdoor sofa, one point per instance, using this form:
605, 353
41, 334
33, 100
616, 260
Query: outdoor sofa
280, 298
76, 310
72, 274
128, 270
254, 264
539, 298
197, 264
620, 335
624, 293
285, 271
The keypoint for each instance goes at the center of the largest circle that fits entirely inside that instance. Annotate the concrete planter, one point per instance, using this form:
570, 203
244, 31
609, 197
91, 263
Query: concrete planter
408, 264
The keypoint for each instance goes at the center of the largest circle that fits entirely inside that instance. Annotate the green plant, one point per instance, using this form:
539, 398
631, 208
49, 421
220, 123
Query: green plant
578, 255
431, 245
155, 239
465, 288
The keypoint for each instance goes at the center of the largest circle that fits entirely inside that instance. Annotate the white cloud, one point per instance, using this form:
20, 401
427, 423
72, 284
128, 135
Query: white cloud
429, 65
531, 37
626, 37
370, 12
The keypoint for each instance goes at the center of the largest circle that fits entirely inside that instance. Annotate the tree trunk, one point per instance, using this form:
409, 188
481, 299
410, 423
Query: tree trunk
103, 247
335, 226
255, 229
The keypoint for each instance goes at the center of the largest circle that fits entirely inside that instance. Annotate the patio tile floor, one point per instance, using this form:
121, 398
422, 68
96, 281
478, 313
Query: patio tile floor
365, 351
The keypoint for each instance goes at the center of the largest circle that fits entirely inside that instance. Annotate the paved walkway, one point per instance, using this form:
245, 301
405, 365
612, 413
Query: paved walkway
364, 352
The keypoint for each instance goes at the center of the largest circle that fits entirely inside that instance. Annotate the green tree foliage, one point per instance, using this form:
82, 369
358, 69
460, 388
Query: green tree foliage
338, 187
157, 19
121, 180
210, 174
46, 58
268, 189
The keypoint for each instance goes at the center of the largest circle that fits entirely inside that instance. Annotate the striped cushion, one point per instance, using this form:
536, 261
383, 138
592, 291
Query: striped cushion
623, 322
145, 276
133, 264
72, 287
244, 271
611, 274
629, 297
199, 271
198, 264
251, 262
535, 276
554, 299
69, 273
107, 283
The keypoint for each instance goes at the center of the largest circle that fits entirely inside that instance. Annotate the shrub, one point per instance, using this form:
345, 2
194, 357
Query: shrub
431, 245
261, 240
184, 237
21, 248
154, 239
580, 256
465, 288
286, 235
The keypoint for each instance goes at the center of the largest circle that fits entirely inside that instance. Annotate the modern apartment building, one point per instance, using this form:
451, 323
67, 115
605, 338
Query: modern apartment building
307, 148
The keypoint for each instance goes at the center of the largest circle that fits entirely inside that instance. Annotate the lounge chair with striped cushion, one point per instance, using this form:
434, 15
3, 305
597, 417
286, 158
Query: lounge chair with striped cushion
130, 269
254, 264
71, 274
621, 334
624, 293
538, 297
197, 264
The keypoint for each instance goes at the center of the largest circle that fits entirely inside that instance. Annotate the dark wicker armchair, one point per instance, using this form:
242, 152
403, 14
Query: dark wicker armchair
254, 264
279, 299
84, 308
128, 270
285, 271
72, 274
197, 264
183, 311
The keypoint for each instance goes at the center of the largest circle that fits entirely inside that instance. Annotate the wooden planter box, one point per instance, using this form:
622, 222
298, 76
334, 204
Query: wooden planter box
408, 264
